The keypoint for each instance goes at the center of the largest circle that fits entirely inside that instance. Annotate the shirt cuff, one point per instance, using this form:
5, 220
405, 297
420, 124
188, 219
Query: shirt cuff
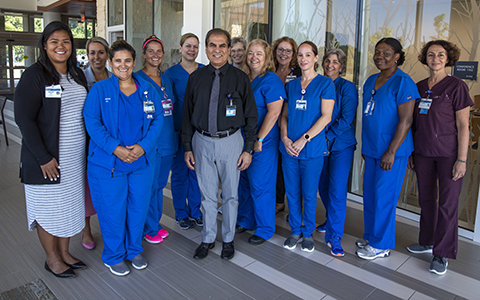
249, 146
187, 147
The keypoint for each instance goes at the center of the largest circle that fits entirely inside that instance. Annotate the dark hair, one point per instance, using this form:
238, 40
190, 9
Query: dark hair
51, 74
121, 45
293, 62
342, 58
453, 53
314, 50
397, 48
218, 31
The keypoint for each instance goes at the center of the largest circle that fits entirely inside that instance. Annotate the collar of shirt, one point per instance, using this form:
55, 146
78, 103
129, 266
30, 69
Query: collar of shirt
223, 69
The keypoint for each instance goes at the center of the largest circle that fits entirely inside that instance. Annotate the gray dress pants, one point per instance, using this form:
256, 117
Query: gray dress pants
215, 162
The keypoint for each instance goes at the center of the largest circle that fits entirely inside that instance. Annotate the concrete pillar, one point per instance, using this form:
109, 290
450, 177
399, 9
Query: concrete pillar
197, 18
50, 16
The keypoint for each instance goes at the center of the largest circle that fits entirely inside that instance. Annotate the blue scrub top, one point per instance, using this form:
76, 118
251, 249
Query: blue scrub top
179, 78
267, 89
167, 142
340, 132
300, 121
379, 128
130, 128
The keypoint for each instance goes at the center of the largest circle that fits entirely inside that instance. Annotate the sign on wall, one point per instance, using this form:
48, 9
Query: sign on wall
466, 70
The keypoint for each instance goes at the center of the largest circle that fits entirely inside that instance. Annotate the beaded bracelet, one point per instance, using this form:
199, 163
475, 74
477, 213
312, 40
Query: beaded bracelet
462, 161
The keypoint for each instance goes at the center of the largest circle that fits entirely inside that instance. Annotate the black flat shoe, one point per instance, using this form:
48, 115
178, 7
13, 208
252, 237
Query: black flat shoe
202, 250
256, 240
240, 229
228, 251
78, 265
68, 273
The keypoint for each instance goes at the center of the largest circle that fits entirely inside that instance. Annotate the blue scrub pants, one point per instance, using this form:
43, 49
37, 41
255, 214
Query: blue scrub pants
184, 185
301, 178
163, 164
256, 192
121, 200
333, 190
381, 190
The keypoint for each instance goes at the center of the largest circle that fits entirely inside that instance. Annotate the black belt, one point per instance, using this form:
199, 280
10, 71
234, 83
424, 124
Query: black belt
219, 134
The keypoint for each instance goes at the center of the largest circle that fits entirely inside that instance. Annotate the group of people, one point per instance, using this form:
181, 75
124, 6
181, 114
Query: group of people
263, 126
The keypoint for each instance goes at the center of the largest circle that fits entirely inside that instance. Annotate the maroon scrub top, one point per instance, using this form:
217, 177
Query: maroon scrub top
435, 133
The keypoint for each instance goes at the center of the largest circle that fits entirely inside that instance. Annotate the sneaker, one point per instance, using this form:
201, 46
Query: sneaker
185, 223
439, 265
418, 248
198, 221
120, 269
139, 262
163, 233
292, 241
153, 239
307, 244
370, 253
322, 228
336, 246
361, 243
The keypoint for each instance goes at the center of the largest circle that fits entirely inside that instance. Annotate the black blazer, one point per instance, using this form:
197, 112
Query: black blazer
38, 118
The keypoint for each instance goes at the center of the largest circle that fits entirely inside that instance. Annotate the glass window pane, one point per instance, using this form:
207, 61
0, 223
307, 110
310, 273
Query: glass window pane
139, 25
15, 22
90, 31
115, 12
38, 24
77, 27
245, 18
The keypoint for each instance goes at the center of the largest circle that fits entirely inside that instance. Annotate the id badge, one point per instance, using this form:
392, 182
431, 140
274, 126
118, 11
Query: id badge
167, 107
231, 111
425, 105
369, 108
53, 91
149, 108
290, 78
301, 105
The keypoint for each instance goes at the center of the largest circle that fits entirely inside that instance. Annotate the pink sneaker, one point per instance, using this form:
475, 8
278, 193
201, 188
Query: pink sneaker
163, 233
153, 239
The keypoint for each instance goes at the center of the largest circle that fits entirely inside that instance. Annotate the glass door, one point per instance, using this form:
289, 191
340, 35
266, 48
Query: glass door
6, 70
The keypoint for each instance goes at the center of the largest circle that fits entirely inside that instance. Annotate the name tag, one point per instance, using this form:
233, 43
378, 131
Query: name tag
290, 78
167, 107
54, 91
301, 105
425, 105
369, 108
231, 111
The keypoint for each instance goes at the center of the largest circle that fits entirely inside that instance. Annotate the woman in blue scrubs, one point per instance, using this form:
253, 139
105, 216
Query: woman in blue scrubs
305, 115
388, 102
124, 119
341, 145
167, 143
183, 181
257, 188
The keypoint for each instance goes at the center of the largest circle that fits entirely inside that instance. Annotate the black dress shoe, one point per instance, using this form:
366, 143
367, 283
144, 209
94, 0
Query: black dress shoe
240, 229
68, 273
256, 240
228, 251
78, 265
202, 250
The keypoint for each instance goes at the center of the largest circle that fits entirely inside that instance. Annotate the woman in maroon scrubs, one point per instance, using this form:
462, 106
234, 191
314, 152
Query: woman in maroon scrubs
441, 137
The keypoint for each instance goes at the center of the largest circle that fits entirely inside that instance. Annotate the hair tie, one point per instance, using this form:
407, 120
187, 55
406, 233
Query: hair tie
152, 38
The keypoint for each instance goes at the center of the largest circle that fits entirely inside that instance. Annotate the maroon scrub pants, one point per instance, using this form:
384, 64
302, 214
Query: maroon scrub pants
438, 221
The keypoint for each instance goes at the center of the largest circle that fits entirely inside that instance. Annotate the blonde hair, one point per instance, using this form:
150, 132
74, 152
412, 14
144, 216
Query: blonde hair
268, 65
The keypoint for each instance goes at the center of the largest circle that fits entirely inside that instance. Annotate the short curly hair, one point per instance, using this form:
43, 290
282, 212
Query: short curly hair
453, 53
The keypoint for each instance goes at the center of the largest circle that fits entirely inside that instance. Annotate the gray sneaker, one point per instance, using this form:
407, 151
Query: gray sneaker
307, 244
418, 248
139, 262
370, 253
120, 269
439, 265
185, 223
292, 241
198, 221
361, 243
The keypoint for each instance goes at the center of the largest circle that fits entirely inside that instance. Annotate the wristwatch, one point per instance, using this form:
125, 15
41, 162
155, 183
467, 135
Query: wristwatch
307, 137
251, 152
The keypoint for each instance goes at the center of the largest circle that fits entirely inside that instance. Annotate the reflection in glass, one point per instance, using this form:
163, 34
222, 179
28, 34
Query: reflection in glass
115, 12
243, 18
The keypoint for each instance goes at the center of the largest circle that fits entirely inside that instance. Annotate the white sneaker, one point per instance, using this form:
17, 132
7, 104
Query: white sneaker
371, 253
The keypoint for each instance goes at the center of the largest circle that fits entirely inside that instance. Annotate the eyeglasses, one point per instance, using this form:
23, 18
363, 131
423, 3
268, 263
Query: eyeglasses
237, 51
287, 51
